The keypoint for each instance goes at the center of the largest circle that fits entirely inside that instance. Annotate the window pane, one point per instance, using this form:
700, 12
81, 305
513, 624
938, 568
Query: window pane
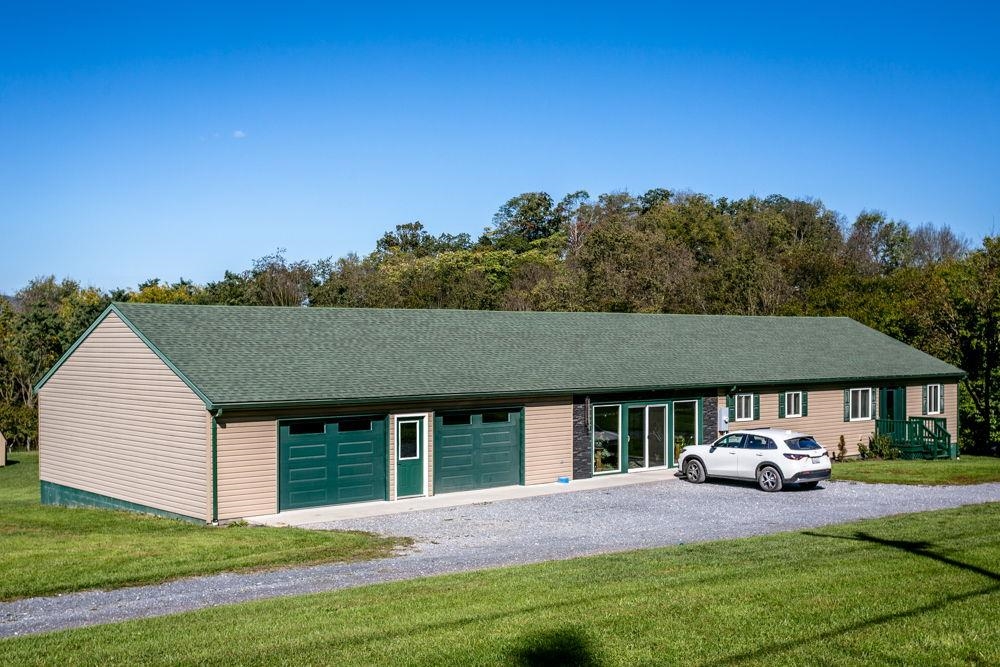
657, 441
685, 425
408, 444
636, 419
345, 425
303, 428
793, 404
744, 407
606, 437
496, 417
456, 419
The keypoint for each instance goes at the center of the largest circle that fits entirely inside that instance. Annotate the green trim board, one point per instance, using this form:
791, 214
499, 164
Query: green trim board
67, 496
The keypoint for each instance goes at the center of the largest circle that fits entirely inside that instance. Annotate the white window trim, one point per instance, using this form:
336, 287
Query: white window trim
867, 405
789, 413
939, 389
744, 419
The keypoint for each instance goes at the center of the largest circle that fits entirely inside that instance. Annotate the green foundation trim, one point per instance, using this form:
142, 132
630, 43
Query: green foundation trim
57, 494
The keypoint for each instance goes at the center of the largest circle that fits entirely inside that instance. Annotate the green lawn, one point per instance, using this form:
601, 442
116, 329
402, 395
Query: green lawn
915, 589
45, 550
965, 470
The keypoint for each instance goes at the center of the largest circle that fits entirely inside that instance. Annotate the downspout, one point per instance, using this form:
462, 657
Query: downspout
215, 466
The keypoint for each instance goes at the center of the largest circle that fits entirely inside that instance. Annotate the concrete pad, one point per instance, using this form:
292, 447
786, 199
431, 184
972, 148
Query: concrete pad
312, 515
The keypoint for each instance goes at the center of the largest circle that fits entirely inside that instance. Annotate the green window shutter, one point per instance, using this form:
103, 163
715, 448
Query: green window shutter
731, 404
805, 404
781, 405
923, 400
941, 397
874, 413
847, 405
756, 406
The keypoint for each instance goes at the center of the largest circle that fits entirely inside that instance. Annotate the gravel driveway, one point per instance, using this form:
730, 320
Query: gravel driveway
507, 532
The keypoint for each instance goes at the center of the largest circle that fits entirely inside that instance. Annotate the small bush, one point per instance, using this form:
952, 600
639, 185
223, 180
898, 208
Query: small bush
880, 447
863, 451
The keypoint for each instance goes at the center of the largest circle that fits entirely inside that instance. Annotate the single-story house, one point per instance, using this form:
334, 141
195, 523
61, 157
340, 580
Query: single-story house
215, 413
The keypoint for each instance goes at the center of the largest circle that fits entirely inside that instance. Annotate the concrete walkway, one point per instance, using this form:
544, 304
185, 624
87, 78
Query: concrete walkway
521, 530
317, 515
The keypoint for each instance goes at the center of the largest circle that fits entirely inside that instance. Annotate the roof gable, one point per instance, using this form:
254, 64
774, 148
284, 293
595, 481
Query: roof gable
251, 355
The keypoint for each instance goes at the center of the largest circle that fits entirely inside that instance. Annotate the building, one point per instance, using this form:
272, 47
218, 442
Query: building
220, 412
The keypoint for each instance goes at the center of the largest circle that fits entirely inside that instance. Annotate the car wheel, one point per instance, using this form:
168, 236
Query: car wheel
694, 471
769, 479
808, 485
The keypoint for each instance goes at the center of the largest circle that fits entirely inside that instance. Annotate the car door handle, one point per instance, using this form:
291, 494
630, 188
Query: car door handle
760, 455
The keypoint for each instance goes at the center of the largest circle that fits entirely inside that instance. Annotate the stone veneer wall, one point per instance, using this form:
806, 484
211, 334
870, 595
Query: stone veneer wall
583, 457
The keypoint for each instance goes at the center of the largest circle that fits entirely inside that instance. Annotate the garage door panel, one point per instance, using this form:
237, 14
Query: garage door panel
317, 474
477, 450
303, 452
308, 498
332, 464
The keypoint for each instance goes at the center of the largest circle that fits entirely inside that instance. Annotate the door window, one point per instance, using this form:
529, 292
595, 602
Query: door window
409, 440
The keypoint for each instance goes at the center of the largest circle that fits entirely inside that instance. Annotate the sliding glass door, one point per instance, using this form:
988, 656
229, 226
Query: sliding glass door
637, 436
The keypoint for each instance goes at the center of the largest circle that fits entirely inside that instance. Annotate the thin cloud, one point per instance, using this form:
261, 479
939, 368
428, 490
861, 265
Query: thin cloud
239, 134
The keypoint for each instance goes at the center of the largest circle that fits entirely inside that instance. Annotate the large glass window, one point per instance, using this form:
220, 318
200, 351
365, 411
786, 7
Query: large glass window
607, 438
933, 399
861, 404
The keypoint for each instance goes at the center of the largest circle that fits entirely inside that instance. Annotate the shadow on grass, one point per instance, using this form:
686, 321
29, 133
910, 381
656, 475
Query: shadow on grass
920, 548
556, 647
11, 462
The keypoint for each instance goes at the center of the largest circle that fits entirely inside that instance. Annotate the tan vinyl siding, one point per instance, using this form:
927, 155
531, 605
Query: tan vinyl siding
915, 405
116, 421
825, 421
248, 466
548, 440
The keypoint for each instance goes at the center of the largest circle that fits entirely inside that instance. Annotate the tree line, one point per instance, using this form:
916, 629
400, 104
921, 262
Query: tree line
659, 252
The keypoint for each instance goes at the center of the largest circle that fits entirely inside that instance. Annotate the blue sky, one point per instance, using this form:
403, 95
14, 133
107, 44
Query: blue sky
184, 140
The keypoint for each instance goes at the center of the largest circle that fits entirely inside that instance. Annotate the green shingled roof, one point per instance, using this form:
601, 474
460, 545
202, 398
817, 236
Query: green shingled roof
244, 355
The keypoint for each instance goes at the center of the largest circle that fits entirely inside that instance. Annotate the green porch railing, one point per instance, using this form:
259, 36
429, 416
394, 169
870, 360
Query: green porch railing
917, 437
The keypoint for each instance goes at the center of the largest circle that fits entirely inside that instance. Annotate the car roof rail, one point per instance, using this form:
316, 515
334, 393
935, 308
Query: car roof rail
758, 428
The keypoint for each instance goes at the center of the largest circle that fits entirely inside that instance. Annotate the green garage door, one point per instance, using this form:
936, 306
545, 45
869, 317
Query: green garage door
331, 461
477, 450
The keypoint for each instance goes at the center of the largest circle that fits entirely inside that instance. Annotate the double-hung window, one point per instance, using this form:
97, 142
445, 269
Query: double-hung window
793, 404
861, 404
933, 399
744, 407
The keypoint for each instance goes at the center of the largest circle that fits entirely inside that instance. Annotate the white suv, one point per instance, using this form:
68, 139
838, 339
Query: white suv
771, 456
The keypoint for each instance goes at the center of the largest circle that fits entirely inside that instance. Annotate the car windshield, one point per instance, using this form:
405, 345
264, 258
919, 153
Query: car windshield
805, 442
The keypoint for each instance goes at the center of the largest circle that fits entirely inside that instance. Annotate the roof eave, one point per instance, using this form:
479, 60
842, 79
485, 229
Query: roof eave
404, 398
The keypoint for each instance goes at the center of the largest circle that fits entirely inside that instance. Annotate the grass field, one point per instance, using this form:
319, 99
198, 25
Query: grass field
915, 589
45, 550
965, 470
